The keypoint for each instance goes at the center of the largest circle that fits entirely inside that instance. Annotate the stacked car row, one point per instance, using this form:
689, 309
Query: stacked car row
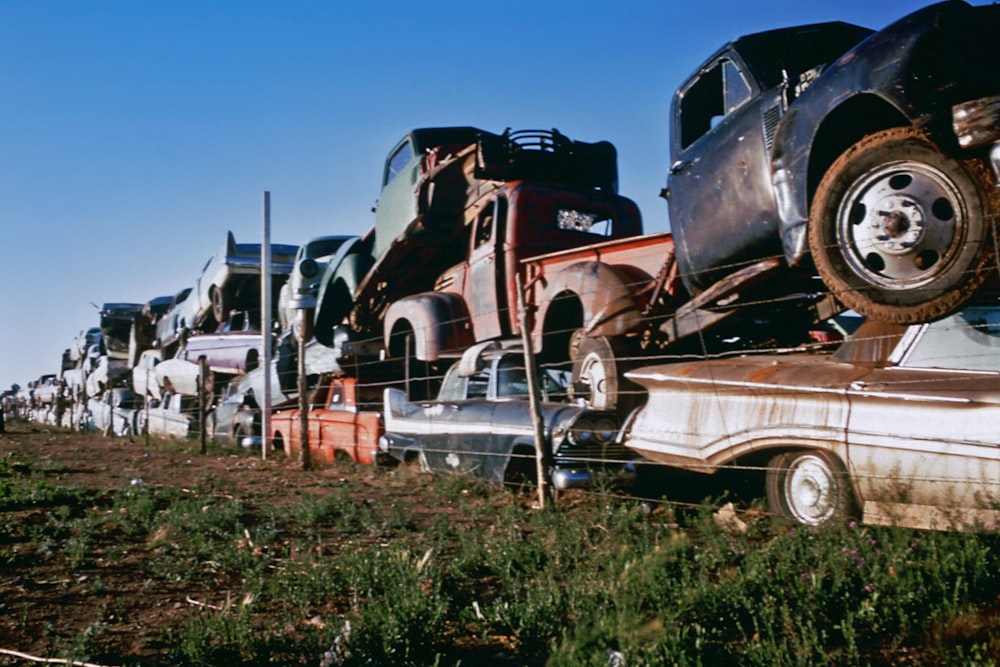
813, 169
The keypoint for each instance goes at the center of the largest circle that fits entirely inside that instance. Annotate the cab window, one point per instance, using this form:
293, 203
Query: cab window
588, 222
484, 226
398, 161
719, 90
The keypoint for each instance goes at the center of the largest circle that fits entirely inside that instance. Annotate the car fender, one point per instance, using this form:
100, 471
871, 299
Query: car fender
439, 322
865, 92
339, 284
609, 307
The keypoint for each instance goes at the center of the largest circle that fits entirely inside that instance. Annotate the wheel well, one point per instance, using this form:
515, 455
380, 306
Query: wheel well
859, 116
331, 312
562, 318
397, 339
253, 357
520, 452
521, 465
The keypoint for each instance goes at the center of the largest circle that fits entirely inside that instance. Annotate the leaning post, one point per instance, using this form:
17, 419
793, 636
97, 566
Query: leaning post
534, 398
202, 401
303, 397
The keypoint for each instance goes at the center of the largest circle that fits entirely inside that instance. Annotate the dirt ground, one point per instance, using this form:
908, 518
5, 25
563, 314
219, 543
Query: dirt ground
39, 601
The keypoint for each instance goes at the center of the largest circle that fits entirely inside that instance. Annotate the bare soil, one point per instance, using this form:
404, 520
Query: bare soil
42, 605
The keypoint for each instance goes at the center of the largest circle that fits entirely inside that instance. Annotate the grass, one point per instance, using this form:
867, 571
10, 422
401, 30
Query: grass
332, 578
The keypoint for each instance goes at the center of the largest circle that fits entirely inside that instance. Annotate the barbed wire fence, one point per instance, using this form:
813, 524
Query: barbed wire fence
371, 374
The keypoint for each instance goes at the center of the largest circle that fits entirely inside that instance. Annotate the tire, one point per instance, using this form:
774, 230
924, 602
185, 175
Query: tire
599, 365
901, 232
221, 305
809, 486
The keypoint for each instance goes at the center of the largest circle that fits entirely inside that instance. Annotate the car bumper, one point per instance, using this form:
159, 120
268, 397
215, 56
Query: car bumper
585, 478
977, 124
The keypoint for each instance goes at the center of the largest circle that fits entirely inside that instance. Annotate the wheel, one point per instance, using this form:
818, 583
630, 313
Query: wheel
221, 305
899, 231
598, 378
810, 487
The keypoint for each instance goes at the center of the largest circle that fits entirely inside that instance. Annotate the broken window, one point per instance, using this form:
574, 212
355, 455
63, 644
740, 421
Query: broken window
484, 226
598, 224
718, 91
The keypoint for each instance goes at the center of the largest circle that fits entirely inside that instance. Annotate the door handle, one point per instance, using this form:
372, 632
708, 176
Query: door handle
679, 166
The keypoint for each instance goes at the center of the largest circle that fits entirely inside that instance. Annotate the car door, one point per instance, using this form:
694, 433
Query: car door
332, 426
487, 283
923, 430
458, 432
722, 205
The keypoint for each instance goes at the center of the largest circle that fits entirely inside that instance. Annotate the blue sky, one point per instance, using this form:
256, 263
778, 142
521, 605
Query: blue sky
135, 133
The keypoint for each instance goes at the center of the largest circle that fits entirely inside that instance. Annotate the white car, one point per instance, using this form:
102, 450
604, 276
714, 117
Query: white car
901, 425
230, 280
302, 287
144, 381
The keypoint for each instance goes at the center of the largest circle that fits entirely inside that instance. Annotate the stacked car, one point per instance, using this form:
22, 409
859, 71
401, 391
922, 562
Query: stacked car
815, 170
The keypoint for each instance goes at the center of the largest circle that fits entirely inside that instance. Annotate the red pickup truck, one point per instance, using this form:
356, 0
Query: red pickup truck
594, 298
597, 290
345, 424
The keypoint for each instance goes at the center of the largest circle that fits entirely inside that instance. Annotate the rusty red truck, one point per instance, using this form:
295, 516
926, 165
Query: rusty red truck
344, 423
538, 210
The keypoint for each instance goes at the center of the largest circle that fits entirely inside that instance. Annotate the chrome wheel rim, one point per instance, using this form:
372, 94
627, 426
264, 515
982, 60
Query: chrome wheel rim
899, 224
811, 490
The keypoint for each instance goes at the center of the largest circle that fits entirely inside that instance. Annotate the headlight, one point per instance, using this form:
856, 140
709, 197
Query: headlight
605, 430
582, 433
308, 268
601, 431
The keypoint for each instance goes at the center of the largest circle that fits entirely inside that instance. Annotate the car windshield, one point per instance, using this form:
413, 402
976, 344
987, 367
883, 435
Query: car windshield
968, 340
323, 248
512, 382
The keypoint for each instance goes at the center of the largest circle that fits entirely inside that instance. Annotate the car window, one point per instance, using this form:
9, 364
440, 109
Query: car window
737, 89
512, 379
323, 248
398, 161
477, 385
589, 222
484, 226
969, 340
336, 397
700, 103
717, 92
453, 386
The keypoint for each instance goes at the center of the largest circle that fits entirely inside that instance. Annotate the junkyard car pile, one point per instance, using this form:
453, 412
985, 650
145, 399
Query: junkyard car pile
813, 170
